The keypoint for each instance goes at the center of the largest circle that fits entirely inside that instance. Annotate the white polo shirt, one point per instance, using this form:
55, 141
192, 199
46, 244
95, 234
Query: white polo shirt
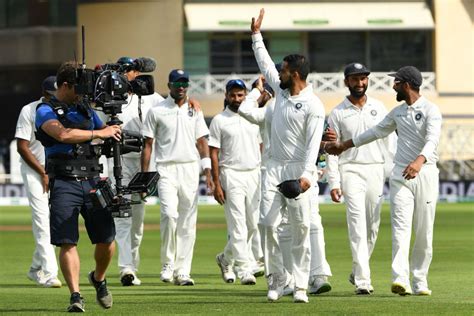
175, 130
25, 129
349, 121
237, 139
297, 122
261, 116
418, 127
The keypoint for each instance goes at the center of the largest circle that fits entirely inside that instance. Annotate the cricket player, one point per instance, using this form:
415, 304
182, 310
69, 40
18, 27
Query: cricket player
44, 268
129, 231
319, 270
414, 180
295, 134
235, 155
358, 173
179, 133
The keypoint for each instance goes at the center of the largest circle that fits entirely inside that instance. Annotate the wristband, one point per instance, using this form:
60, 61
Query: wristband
206, 163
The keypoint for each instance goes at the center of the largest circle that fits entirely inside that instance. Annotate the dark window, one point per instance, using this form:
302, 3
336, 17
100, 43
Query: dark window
232, 53
379, 50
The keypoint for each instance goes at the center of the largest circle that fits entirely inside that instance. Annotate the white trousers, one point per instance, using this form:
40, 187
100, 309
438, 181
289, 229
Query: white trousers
242, 194
177, 189
44, 257
129, 231
319, 264
413, 205
362, 187
273, 204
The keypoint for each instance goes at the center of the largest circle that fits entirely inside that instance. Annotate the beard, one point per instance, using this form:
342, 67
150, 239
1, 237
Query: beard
285, 84
357, 94
234, 106
401, 96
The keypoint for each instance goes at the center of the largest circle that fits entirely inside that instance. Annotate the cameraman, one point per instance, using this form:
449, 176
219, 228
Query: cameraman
63, 124
130, 230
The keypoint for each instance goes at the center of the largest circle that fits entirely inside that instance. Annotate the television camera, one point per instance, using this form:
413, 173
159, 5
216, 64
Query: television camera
106, 87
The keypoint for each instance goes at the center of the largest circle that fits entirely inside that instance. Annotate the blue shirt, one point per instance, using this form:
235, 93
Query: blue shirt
45, 113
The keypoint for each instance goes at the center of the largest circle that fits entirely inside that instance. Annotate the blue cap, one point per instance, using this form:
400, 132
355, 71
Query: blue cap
49, 84
235, 83
177, 75
355, 69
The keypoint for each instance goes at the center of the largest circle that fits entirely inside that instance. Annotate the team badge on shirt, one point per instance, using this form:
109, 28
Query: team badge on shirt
190, 112
298, 106
418, 116
373, 112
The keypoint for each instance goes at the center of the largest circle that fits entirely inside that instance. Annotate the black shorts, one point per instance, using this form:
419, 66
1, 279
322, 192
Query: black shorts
68, 198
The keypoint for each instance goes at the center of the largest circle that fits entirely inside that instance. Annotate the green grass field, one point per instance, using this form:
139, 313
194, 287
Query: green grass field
451, 274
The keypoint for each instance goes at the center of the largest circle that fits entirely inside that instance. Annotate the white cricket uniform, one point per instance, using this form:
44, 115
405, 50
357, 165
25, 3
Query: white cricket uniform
295, 134
419, 129
238, 142
361, 171
44, 257
129, 231
319, 266
175, 130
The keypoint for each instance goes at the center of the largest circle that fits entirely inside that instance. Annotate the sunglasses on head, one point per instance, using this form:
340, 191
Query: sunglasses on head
179, 84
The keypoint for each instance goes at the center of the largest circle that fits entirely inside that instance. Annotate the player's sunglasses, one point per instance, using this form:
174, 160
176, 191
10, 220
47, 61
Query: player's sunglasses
179, 84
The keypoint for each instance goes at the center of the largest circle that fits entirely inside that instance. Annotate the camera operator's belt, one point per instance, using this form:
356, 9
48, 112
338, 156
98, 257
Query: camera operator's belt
73, 168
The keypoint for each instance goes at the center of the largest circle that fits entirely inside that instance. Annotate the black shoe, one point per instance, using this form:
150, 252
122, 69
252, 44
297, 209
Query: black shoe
104, 297
76, 303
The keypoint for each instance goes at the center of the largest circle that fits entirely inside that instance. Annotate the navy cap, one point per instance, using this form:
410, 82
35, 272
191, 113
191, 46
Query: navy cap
235, 83
356, 69
177, 75
49, 84
408, 74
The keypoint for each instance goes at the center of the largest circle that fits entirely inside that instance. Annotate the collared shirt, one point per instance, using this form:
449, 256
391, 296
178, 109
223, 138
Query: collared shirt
297, 122
261, 116
175, 130
349, 121
418, 127
25, 129
237, 139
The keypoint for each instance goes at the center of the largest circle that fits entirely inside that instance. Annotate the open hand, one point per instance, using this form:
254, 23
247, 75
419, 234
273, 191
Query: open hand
256, 24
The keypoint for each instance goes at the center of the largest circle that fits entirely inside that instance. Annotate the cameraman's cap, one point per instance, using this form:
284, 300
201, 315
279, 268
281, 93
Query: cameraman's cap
49, 85
235, 83
356, 69
177, 75
408, 74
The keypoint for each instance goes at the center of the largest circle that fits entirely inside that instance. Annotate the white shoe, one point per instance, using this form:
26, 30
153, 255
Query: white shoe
299, 296
259, 269
166, 274
362, 290
401, 289
319, 284
183, 280
36, 276
248, 279
52, 282
371, 289
127, 277
226, 269
422, 291
276, 283
137, 281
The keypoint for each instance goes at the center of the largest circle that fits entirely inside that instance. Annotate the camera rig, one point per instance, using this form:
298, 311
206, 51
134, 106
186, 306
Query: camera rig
107, 87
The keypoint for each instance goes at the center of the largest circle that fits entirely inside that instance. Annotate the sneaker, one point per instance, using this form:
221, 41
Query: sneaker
36, 276
226, 269
166, 274
371, 289
52, 282
103, 297
401, 289
352, 279
362, 290
319, 284
289, 286
183, 280
299, 296
76, 303
248, 279
276, 284
137, 281
127, 278
422, 291
259, 269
